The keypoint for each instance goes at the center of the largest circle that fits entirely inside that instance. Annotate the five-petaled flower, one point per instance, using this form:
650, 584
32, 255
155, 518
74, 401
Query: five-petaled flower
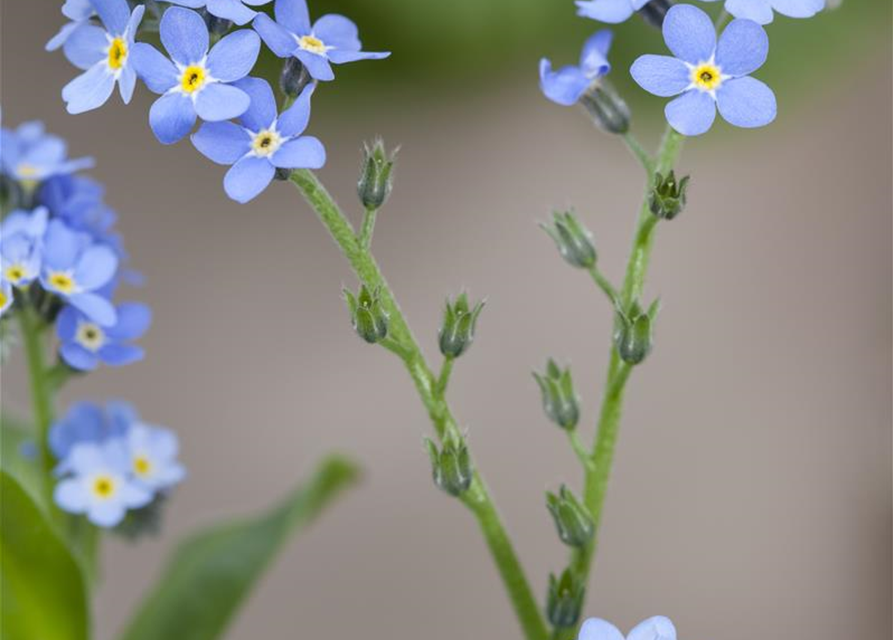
194, 81
331, 39
21, 246
104, 54
232, 10
569, 83
656, 628
262, 143
30, 155
709, 74
152, 455
84, 343
761, 10
611, 11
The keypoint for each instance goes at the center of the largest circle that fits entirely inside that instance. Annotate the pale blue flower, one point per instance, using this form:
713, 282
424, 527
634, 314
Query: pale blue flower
104, 54
21, 245
709, 75
30, 155
87, 422
610, 11
656, 628
567, 85
84, 343
263, 141
152, 453
194, 81
232, 10
761, 10
79, 12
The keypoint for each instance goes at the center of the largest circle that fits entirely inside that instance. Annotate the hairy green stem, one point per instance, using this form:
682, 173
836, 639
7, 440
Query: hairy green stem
477, 499
604, 284
367, 229
32, 328
639, 152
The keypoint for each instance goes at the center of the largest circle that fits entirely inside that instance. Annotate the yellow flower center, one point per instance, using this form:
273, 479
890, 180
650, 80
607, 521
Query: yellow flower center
193, 78
16, 273
61, 282
104, 487
90, 336
312, 44
117, 54
3, 298
27, 171
706, 76
142, 466
265, 143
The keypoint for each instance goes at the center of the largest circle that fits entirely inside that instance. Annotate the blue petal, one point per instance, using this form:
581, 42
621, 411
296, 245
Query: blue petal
184, 35
134, 319
216, 102
798, 8
96, 266
656, 628
294, 120
692, 113
95, 307
77, 9
86, 46
337, 31
133, 24
341, 56
118, 355
610, 11
63, 35
317, 66
67, 323
262, 111
222, 142
594, 57
192, 4
564, 86
171, 117
293, 15
106, 514
234, 56
276, 37
62, 245
232, 10
301, 153
689, 33
247, 178
76, 356
746, 102
113, 13
127, 83
90, 90
596, 629
742, 49
661, 75
760, 11
71, 496
153, 67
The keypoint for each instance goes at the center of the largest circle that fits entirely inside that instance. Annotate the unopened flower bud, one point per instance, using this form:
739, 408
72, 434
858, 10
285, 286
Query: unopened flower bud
376, 179
655, 11
606, 108
572, 519
573, 240
633, 337
668, 196
559, 400
216, 26
565, 600
451, 466
294, 77
367, 315
457, 331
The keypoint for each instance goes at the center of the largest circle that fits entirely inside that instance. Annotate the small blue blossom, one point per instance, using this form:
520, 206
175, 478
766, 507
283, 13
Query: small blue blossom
194, 82
104, 55
656, 628
84, 343
100, 484
333, 39
707, 74
152, 455
567, 85
232, 10
79, 12
76, 269
87, 422
263, 143
760, 11
78, 201
21, 246
30, 155
610, 11
6, 296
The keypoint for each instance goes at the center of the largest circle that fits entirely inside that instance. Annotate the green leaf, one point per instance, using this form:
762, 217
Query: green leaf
13, 434
44, 594
210, 575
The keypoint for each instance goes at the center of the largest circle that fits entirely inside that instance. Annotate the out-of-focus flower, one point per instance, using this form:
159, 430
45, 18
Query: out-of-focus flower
79, 12
761, 11
194, 81
567, 85
88, 423
656, 628
233, 10
152, 455
21, 236
30, 155
333, 39
84, 343
709, 75
5, 296
610, 11
263, 143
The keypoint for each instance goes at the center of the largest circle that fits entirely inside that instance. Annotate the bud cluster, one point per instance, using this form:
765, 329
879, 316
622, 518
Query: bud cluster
667, 199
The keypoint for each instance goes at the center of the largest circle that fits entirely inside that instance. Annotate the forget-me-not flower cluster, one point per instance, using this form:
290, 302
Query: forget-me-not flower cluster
656, 628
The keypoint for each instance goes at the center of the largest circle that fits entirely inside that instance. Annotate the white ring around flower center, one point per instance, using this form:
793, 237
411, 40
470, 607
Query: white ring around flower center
265, 143
90, 336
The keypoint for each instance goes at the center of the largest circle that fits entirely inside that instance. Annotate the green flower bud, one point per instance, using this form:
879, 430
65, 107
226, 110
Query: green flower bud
573, 240
668, 196
572, 519
633, 337
654, 12
606, 108
559, 400
376, 177
565, 600
457, 332
294, 77
367, 315
451, 466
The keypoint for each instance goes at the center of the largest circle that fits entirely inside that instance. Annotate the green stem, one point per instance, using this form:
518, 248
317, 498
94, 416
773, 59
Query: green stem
367, 229
477, 499
639, 152
444, 378
581, 451
604, 284
41, 394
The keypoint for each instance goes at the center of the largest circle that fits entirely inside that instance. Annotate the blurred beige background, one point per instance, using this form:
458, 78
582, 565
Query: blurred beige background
752, 493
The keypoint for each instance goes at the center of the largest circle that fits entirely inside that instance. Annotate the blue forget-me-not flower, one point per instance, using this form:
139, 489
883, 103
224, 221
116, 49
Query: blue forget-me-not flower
87, 422
569, 83
333, 39
761, 10
263, 141
84, 343
79, 13
610, 11
30, 155
232, 10
21, 246
104, 54
656, 628
6, 297
707, 74
152, 453
194, 81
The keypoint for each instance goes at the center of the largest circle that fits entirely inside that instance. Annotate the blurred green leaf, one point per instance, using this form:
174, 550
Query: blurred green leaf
44, 593
209, 575
14, 434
